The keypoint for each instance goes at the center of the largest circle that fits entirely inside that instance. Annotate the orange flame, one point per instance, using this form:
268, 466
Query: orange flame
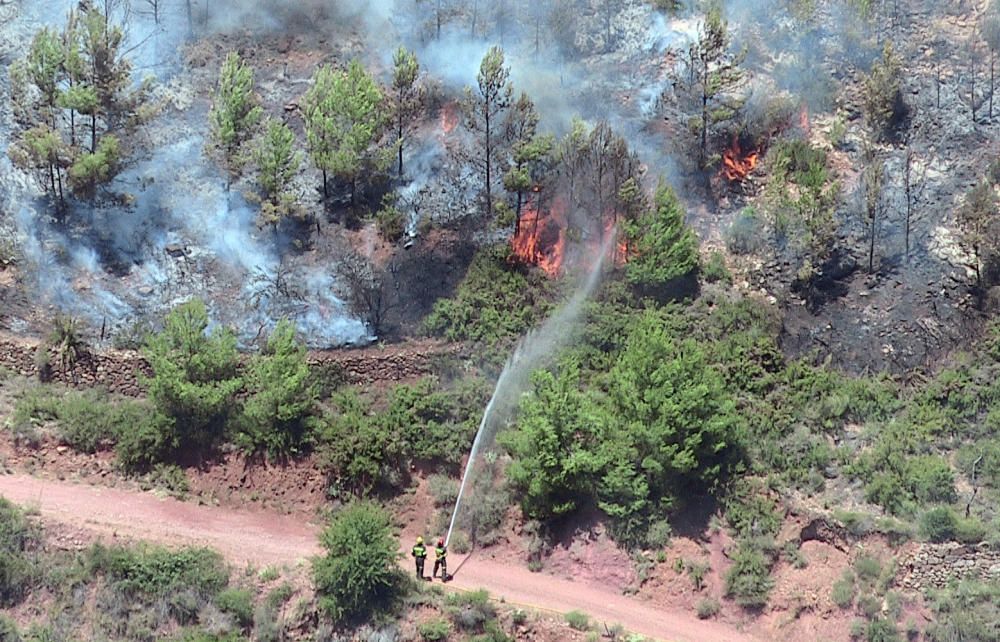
804, 119
735, 164
449, 117
540, 238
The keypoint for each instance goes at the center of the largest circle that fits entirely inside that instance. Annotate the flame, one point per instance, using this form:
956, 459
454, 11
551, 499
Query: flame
541, 237
804, 119
449, 117
735, 164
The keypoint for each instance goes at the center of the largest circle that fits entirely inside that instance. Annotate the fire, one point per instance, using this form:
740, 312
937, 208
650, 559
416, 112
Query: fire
735, 164
804, 119
449, 117
540, 238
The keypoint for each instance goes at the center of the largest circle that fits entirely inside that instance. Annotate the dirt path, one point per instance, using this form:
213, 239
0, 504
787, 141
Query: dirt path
268, 538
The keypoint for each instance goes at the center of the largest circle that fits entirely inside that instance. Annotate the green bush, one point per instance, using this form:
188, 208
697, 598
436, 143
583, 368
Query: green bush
279, 413
8, 630
882, 630
868, 568
707, 608
154, 572
938, 524
843, 591
390, 222
358, 575
496, 300
665, 248
17, 571
194, 382
697, 571
443, 489
746, 234
433, 630
749, 580
237, 603
578, 621
470, 611
715, 270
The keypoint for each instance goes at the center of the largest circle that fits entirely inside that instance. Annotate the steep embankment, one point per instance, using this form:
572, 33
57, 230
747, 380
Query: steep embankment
265, 538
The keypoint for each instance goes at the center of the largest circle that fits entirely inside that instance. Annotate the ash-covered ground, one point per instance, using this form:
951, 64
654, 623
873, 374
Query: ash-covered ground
173, 231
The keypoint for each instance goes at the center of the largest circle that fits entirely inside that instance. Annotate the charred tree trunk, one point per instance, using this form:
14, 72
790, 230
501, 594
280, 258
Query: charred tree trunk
972, 94
489, 160
326, 191
993, 60
399, 140
908, 195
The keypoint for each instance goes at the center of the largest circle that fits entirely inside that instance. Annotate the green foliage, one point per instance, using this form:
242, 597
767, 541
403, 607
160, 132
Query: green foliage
358, 575
235, 111
882, 630
664, 248
277, 164
578, 621
745, 234
344, 121
751, 513
497, 300
238, 603
748, 580
471, 611
279, 413
674, 426
868, 568
707, 608
149, 573
17, 570
194, 381
968, 611
390, 222
939, 524
355, 450
433, 630
92, 169
555, 448
715, 269
8, 630
843, 590
697, 571
405, 95
882, 98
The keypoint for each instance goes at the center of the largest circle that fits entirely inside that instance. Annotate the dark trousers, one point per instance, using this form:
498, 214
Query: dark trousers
420, 566
441, 562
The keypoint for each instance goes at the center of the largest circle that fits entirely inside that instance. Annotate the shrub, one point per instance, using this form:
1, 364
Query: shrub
390, 222
432, 630
17, 537
279, 413
665, 247
578, 621
748, 580
238, 603
938, 524
153, 572
518, 617
358, 576
194, 380
843, 591
470, 611
697, 571
8, 630
868, 568
443, 489
707, 608
870, 605
496, 300
715, 269
881, 630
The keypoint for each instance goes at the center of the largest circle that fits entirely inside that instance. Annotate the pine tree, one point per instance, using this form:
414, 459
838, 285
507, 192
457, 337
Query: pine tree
235, 113
277, 164
665, 247
405, 95
484, 111
714, 76
344, 122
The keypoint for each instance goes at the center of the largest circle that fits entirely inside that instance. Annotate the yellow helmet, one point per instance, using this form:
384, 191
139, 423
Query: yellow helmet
420, 540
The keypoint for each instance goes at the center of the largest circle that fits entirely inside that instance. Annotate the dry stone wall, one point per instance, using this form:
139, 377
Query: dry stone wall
122, 371
938, 565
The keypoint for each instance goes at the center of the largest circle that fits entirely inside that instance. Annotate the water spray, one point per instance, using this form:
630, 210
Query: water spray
527, 357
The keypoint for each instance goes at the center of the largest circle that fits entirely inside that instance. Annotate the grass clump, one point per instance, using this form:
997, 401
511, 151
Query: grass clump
843, 590
707, 608
434, 630
238, 603
748, 580
578, 621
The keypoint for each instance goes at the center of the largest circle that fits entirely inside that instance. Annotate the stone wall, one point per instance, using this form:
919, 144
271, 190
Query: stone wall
938, 565
120, 371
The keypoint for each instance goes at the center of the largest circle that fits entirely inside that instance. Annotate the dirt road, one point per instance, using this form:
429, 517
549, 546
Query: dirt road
265, 538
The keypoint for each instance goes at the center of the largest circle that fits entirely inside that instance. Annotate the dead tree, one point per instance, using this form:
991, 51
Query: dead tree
913, 187
872, 180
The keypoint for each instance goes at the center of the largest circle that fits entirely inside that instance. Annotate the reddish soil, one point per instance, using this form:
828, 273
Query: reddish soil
262, 537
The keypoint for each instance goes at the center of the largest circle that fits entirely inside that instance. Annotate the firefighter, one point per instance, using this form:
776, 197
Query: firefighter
419, 554
441, 560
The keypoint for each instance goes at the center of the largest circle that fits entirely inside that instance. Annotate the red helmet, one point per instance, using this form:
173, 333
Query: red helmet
440, 542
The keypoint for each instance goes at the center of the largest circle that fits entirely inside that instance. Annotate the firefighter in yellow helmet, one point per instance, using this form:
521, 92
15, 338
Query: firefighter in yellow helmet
419, 554
441, 560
